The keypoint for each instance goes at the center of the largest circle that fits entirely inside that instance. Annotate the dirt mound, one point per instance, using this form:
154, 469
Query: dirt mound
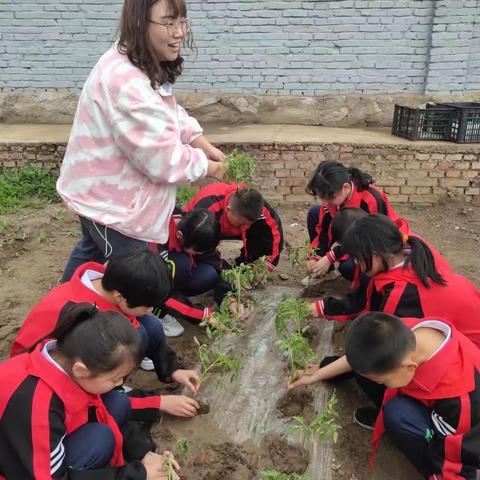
297, 403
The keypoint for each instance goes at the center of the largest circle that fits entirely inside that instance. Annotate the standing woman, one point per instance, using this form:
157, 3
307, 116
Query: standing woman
130, 143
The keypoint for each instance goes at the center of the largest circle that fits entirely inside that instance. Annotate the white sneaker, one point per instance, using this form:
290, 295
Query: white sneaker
311, 281
147, 364
126, 389
171, 326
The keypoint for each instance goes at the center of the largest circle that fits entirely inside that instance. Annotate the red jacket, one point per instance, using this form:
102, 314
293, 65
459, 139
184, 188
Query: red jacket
44, 316
448, 383
371, 200
39, 405
400, 292
263, 237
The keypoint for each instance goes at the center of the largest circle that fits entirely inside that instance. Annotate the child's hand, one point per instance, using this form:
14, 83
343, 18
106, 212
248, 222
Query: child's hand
179, 405
189, 378
236, 308
216, 170
319, 268
312, 310
155, 465
307, 377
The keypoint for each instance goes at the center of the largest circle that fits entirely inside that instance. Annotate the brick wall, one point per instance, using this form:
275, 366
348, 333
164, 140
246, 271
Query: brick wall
287, 47
417, 174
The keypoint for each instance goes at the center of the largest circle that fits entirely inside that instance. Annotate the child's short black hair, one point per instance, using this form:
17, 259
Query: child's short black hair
200, 229
143, 279
377, 343
343, 220
330, 176
247, 203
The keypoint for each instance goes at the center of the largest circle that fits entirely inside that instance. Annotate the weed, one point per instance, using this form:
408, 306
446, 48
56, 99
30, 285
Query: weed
42, 235
4, 224
209, 361
240, 167
275, 475
183, 446
324, 426
29, 186
292, 309
184, 195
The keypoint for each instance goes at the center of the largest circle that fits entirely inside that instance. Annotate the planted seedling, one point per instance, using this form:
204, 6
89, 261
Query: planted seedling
299, 256
224, 321
324, 426
183, 446
246, 276
219, 361
300, 354
294, 310
275, 475
239, 167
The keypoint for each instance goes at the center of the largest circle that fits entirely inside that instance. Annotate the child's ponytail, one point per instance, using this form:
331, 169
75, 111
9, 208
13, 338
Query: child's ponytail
101, 340
423, 262
377, 234
361, 179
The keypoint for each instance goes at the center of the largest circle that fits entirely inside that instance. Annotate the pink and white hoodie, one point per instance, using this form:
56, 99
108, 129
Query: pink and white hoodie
128, 148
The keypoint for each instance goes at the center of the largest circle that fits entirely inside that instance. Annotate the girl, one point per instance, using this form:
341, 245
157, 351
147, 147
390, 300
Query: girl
196, 264
408, 279
59, 414
338, 187
131, 144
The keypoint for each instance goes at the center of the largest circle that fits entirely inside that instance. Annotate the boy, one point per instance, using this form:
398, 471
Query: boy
431, 407
130, 286
243, 215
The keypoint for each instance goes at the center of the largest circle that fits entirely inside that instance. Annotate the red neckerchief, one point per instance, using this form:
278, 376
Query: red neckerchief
76, 400
447, 374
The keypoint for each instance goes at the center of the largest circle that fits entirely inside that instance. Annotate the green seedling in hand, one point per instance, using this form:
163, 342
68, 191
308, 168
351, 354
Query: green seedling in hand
300, 354
324, 426
299, 256
240, 167
171, 473
224, 321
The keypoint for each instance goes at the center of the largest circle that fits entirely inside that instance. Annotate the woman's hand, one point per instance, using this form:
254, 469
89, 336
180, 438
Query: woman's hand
216, 170
215, 154
179, 405
189, 378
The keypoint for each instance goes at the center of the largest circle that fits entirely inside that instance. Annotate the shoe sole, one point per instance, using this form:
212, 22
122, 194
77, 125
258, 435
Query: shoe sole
363, 425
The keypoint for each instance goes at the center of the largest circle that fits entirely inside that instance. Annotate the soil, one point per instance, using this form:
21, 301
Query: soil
297, 403
34, 247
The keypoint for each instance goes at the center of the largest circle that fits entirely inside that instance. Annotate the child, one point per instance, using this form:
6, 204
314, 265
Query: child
431, 408
244, 215
130, 286
191, 250
408, 279
338, 187
59, 414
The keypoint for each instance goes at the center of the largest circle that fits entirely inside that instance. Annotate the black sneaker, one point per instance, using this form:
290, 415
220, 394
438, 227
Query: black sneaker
366, 417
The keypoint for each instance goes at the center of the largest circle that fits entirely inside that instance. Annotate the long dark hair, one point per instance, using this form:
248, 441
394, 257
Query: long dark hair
378, 234
330, 176
134, 42
101, 340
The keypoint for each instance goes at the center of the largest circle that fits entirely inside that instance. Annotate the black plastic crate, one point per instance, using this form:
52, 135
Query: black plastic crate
465, 126
431, 123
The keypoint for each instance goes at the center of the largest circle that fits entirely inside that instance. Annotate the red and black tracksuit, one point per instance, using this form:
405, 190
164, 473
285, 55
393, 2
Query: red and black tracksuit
399, 291
262, 238
192, 275
320, 217
435, 419
43, 319
40, 406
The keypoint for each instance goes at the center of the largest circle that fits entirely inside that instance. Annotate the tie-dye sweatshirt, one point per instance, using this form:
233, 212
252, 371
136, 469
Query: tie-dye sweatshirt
128, 148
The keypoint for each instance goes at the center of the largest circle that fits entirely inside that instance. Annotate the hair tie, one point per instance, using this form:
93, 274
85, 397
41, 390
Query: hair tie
405, 238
